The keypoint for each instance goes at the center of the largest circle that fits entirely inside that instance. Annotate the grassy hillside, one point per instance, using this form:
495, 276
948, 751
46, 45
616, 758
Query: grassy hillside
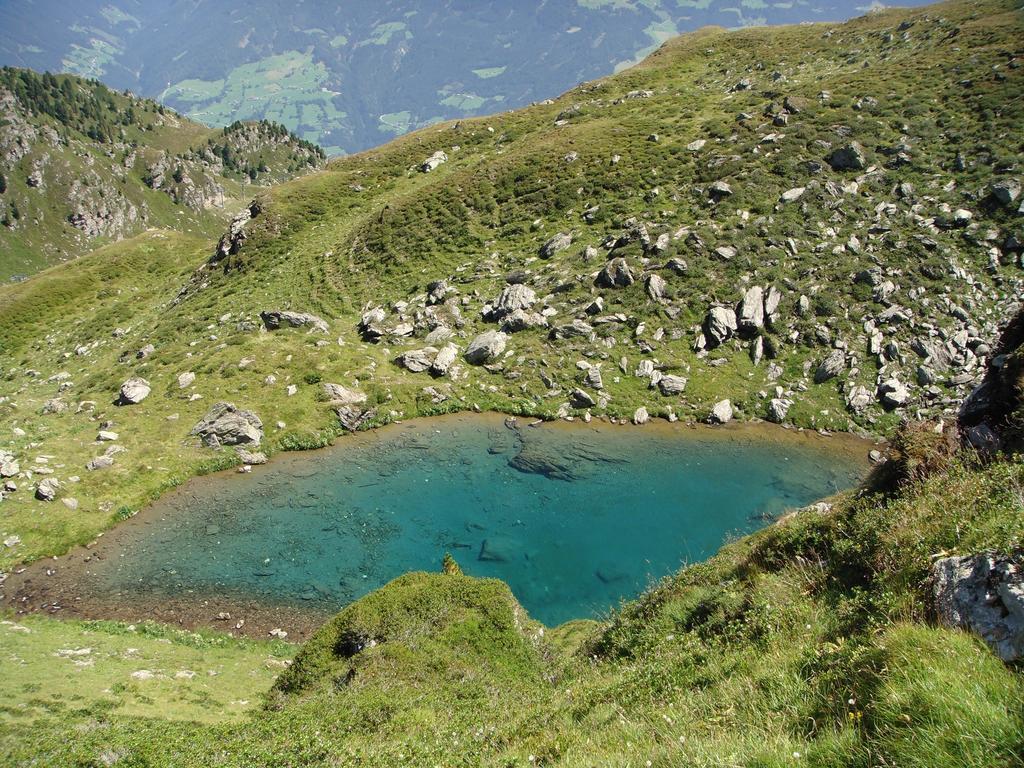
81, 165
887, 307
727, 161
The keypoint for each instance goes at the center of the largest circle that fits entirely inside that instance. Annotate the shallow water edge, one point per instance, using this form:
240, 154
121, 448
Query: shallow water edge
68, 585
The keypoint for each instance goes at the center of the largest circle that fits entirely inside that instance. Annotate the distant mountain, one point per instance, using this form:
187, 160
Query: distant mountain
81, 165
351, 75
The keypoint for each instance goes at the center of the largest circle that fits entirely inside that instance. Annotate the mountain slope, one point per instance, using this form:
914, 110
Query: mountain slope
811, 642
82, 165
350, 76
869, 298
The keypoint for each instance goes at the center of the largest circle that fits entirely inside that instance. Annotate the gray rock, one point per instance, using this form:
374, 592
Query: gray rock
559, 242
54, 405
616, 274
251, 457
830, 367
719, 189
656, 287
277, 319
849, 157
437, 292
485, 347
521, 320
984, 594
339, 395
417, 360
186, 379
580, 398
512, 298
444, 360
100, 462
47, 489
772, 299
721, 413
575, 329
1006, 191
435, 160
893, 393
134, 391
792, 195
751, 310
353, 418
719, 325
671, 385
224, 424
858, 399
641, 416
778, 409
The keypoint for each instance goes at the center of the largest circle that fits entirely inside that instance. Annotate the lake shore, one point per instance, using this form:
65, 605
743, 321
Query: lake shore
64, 586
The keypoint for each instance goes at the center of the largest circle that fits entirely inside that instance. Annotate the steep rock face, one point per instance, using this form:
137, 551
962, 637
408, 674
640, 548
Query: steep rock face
992, 417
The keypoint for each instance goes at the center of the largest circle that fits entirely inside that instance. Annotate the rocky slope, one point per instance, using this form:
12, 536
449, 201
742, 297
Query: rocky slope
819, 225
82, 165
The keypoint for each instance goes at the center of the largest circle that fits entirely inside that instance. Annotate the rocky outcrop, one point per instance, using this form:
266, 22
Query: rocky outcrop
277, 319
224, 424
983, 594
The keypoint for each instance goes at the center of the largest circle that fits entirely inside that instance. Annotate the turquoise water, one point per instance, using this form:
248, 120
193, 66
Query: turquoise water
573, 518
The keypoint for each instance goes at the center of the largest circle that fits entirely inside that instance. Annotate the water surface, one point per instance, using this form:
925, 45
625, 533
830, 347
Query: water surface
573, 517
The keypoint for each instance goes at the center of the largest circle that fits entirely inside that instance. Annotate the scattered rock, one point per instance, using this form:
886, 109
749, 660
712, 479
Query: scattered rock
47, 489
719, 325
616, 274
485, 347
830, 367
277, 319
432, 162
339, 395
186, 379
893, 393
984, 594
134, 391
778, 409
849, 157
444, 359
559, 242
417, 360
224, 424
640, 416
721, 413
671, 385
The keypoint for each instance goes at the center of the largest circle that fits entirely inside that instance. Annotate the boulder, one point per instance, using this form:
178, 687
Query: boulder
339, 395
512, 298
432, 162
353, 418
133, 391
186, 379
521, 320
640, 416
559, 242
417, 360
47, 489
54, 405
721, 413
575, 329
830, 367
580, 398
1006, 191
224, 424
485, 347
719, 325
671, 385
444, 359
893, 393
984, 594
778, 409
750, 316
849, 157
719, 189
792, 195
858, 399
100, 462
277, 319
251, 457
616, 274
437, 292
656, 287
